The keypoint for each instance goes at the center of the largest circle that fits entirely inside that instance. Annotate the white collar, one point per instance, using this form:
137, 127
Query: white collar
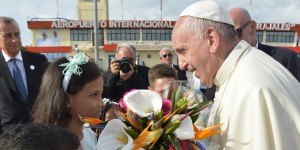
256, 45
7, 58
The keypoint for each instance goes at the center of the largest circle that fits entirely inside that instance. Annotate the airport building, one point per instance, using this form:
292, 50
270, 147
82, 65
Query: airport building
60, 37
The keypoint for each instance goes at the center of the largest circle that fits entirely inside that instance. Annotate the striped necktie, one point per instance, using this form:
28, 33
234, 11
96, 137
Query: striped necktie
19, 80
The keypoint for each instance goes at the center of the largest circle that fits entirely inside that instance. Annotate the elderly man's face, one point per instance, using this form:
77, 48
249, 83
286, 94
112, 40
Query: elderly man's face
167, 57
127, 53
193, 52
10, 38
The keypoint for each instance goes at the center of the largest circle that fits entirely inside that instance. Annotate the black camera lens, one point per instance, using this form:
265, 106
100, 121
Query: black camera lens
125, 65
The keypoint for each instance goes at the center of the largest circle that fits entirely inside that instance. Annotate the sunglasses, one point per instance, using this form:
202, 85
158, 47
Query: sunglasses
165, 55
240, 30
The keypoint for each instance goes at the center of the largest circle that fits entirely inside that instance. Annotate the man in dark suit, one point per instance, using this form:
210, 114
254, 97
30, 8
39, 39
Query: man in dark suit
16, 102
246, 28
166, 56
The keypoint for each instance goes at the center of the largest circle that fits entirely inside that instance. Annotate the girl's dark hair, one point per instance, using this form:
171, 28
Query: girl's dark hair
51, 103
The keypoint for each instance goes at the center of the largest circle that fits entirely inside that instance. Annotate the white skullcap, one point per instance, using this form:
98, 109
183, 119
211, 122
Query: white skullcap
208, 9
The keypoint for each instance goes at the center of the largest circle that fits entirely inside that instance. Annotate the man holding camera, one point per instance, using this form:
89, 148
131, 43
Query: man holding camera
123, 74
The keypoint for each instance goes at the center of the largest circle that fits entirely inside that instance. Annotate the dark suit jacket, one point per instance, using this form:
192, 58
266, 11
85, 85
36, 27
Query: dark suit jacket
12, 109
181, 74
286, 57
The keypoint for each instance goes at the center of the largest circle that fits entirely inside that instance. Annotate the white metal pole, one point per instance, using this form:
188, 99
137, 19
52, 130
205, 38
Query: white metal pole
97, 60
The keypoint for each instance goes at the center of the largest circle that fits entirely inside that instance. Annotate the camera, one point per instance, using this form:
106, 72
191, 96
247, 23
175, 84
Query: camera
125, 64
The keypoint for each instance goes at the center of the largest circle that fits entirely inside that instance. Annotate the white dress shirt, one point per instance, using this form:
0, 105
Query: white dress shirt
19, 61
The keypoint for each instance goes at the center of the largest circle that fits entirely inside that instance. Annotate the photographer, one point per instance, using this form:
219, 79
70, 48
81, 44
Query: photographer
123, 74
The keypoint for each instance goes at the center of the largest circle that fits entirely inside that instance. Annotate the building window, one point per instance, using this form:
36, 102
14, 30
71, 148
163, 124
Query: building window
100, 37
81, 34
86, 35
89, 0
280, 37
123, 34
52, 56
259, 35
157, 34
110, 57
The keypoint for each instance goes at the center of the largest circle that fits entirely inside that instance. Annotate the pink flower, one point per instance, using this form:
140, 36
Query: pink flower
166, 104
183, 144
171, 147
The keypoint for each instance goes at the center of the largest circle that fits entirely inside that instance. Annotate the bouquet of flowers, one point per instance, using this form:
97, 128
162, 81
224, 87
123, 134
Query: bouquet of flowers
147, 124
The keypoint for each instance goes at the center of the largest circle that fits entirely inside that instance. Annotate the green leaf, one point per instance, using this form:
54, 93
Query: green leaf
172, 93
159, 115
181, 105
178, 93
195, 117
132, 133
175, 141
157, 125
201, 106
175, 95
143, 122
171, 127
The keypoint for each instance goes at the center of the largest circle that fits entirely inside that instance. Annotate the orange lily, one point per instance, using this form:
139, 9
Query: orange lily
206, 132
147, 137
169, 116
92, 121
130, 117
123, 115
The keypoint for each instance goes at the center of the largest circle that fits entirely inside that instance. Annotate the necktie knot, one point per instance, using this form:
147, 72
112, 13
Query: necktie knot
14, 61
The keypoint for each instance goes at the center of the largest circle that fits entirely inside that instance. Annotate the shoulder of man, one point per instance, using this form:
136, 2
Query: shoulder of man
35, 55
142, 71
285, 51
270, 50
38, 60
141, 68
176, 67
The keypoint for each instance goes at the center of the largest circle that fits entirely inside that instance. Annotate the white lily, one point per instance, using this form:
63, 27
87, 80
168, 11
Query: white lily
185, 130
143, 102
114, 137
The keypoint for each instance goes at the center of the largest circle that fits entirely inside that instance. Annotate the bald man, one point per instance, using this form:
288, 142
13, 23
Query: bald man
246, 28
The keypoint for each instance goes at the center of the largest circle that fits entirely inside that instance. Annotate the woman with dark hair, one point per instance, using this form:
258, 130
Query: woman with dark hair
71, 87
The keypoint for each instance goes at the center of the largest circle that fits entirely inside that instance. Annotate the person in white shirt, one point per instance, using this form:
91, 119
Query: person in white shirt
256, 99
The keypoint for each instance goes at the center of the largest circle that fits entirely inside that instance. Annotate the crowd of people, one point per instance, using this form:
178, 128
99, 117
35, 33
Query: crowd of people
255, 87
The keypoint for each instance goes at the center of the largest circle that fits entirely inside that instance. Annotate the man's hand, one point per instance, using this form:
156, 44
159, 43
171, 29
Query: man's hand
114, 67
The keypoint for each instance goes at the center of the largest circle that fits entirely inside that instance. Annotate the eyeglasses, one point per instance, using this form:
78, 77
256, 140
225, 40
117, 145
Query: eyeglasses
165, 55
240, 30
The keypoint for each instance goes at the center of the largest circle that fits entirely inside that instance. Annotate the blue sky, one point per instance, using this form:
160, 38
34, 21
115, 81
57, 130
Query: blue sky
267, 11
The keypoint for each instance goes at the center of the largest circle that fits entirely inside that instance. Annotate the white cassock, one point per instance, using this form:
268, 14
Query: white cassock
258, 100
